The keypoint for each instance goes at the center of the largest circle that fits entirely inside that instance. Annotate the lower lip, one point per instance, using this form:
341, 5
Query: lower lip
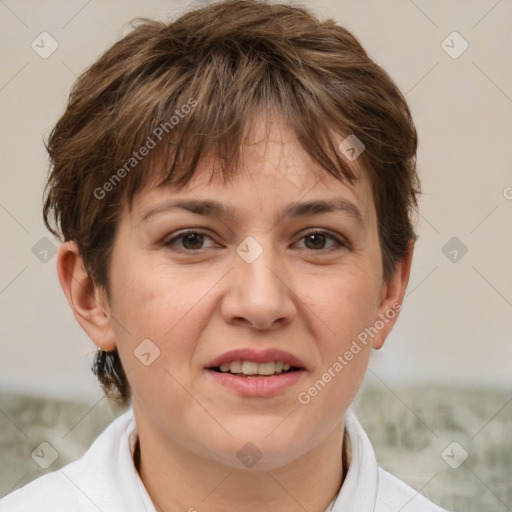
257, 386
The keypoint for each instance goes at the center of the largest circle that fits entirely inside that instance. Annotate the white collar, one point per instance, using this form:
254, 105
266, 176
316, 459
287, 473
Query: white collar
106, 474
359, 490
108, 479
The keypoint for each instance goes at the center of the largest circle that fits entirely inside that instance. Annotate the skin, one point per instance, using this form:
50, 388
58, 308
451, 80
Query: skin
311, 298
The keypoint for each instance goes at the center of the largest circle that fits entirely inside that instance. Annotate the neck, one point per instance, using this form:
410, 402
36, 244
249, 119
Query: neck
178, 480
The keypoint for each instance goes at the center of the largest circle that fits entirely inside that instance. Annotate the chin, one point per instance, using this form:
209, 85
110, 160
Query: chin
250, 458
261, 447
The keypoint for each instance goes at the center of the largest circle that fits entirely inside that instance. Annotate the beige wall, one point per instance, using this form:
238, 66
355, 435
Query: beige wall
457, 319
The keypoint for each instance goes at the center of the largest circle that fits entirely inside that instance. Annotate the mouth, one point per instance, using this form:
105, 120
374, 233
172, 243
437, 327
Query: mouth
252, 369
256, 373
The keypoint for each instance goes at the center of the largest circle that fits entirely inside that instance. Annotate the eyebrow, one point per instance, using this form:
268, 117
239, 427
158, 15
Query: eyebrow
295, 209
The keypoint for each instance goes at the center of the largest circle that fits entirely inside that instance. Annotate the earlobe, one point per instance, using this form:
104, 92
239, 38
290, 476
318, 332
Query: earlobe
392, 296
85, 298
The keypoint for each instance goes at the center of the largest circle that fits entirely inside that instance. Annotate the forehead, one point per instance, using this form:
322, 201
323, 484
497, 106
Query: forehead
275, 173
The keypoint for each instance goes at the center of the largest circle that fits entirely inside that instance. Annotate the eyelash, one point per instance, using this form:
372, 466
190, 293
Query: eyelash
339, 244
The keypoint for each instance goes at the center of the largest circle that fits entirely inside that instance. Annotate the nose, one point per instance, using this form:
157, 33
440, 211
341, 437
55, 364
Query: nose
260, 292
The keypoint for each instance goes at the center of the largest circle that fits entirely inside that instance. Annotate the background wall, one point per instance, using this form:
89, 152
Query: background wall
457, 318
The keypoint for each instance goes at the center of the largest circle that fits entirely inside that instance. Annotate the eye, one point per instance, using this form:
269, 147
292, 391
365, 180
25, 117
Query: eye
191, 240
315, 240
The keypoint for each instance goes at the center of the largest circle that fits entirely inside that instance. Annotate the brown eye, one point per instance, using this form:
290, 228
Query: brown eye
316, 241
190, 241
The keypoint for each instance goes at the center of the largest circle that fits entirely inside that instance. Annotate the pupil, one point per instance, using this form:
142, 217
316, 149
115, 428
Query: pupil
195, 238
316, 236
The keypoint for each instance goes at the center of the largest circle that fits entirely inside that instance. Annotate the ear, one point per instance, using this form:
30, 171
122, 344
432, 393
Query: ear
88, 302
391, 298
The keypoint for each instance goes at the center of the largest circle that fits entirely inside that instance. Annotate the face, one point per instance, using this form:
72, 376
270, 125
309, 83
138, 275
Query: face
261, 284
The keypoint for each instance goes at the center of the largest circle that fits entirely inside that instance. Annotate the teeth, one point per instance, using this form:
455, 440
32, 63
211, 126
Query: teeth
266, 368
252, 368
249, 368
234, 367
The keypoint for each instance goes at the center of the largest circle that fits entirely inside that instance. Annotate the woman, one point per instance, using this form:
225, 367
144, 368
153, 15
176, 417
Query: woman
234, 193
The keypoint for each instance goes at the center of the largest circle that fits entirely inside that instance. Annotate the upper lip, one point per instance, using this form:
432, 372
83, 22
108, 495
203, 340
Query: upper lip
257, 356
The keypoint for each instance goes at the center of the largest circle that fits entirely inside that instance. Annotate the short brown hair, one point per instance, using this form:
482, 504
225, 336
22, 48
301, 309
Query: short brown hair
225, 62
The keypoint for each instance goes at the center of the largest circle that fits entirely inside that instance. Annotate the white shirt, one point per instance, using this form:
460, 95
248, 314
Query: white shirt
105, 479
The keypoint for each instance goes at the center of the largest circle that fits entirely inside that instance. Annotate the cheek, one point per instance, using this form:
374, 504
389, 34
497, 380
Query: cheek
344, 313
343, 306
346, 303
155, 298
160, 304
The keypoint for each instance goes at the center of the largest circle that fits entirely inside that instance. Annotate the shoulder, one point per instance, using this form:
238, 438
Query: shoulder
80, 485
394, 495
369, 487
48, 493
